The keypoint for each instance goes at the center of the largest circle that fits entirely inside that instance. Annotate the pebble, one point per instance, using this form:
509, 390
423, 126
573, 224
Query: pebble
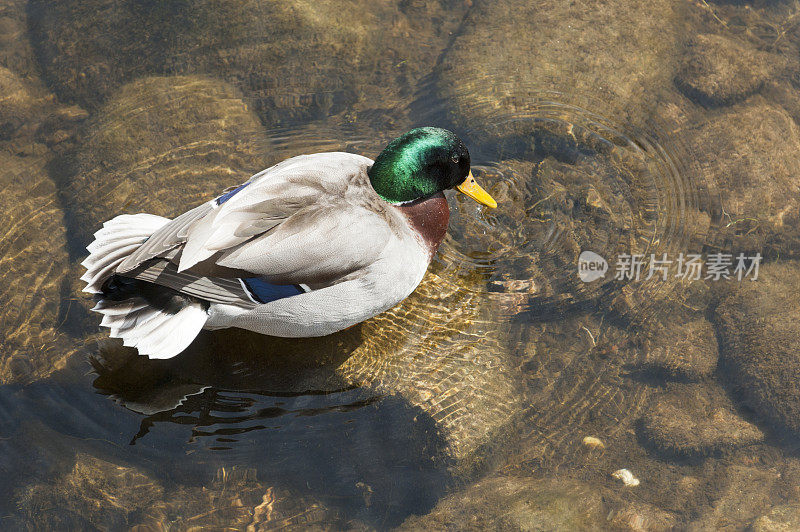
593, 442
626, 477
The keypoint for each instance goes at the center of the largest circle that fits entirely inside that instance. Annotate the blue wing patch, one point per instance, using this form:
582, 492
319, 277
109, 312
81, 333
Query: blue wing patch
257, 288
228, 195
262, 291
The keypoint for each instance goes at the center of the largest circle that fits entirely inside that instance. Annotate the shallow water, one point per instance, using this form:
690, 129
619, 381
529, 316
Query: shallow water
507, 390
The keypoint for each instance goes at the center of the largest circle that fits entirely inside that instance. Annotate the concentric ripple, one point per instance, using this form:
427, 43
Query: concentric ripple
570, 180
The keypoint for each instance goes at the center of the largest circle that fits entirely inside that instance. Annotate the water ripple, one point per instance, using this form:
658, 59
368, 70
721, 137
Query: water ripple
570, 179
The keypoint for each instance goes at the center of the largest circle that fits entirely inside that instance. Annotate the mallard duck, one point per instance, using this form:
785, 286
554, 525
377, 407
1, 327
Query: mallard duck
308, 247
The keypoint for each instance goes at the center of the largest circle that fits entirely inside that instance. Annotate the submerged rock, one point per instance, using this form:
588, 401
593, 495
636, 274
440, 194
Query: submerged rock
640, 516
161, 145
680, 346
24, 100
17, 104
759, 330
741, 494
506, 501
440, 350
33, 256
784, 95
757, 176
781, 518
717, 70
58, 128
16, 51
601, 204
94, 494
298, 60
100, 494
552, 211
582, 206
575, 370
620, 56
502, 502
694, 421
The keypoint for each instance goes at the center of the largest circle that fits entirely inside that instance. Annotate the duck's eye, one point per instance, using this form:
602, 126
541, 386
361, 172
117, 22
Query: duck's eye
454, 158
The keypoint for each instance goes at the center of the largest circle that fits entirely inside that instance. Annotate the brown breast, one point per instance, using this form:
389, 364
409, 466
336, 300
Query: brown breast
429, 217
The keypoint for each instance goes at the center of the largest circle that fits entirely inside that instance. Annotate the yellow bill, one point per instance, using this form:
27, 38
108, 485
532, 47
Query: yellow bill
476, 192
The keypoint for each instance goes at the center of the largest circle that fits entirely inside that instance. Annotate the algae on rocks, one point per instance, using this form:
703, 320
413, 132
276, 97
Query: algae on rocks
297, 60
757, 174
759, 329
97, 493
717, 70
680, 345
744, 493
20, 105
574, 369
16, 50
695, 420
504, 502
780, 518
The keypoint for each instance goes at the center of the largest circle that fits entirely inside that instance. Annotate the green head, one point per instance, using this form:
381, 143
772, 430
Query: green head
419, 164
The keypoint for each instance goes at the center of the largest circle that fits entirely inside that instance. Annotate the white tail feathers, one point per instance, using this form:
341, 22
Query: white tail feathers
118, 238
155, 333
152, 332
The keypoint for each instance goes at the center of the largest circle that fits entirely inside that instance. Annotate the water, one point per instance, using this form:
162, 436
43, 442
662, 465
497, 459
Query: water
664, 129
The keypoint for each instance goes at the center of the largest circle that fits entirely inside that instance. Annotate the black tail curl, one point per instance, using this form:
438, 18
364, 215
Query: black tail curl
165, 299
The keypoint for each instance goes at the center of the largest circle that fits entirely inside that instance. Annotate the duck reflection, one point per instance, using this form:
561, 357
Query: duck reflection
279, 406
232, 360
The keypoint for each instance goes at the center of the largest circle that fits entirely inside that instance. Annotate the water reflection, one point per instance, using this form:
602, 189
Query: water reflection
236, 398
218, 371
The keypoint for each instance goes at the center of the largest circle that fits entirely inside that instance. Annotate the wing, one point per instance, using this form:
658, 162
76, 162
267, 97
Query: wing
309, 220
165, 240
316, 245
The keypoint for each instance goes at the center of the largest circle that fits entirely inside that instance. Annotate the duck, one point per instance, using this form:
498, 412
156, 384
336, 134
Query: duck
305, 248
